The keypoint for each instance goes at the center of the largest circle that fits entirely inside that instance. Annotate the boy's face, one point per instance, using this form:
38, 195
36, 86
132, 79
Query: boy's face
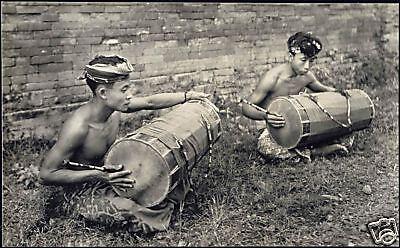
301, 63
119, 95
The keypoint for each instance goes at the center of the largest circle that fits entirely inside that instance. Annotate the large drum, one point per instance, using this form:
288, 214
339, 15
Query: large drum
162, 153
317, 117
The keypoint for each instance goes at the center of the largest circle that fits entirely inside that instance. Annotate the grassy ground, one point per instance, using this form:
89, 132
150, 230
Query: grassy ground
246, 199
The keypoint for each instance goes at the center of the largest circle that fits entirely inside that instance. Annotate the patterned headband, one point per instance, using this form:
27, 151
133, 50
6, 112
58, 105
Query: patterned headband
107, 73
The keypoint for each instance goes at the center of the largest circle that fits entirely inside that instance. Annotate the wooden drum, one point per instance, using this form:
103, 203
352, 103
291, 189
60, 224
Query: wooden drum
162, 153
317, 117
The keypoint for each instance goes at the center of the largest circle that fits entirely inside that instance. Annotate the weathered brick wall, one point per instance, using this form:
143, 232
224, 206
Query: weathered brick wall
205, 46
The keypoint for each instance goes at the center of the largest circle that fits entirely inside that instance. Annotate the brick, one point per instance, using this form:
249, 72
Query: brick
45, 17
7, 62
26, 52
89, 40
19, 36
6, 89
125, 24
32, 26
8, 8
67, 75
117, 9
39, 86
41, 77
66, 25
19, 70
7, 27
31, 43
152, 37
46, 59
56, 67
91, 9
62, 41
76, 49
31, 9
74, 17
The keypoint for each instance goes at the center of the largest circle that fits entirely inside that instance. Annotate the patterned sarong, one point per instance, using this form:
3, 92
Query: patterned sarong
98, 203
270, 149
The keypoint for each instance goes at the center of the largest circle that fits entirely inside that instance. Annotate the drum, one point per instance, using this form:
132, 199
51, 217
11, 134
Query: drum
317, 117
162, 153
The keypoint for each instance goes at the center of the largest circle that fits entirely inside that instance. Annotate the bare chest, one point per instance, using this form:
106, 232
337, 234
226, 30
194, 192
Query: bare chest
99, 140
290, 86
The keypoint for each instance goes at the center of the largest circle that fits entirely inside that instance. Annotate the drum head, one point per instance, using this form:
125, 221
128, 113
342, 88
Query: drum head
289, 135
149, 170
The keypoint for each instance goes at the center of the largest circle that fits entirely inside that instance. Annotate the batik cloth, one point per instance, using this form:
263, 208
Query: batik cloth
98, 203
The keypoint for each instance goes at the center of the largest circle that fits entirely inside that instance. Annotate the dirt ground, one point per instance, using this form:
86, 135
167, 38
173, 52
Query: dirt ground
246, 199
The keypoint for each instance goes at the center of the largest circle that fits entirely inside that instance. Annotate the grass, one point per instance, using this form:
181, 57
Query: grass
245, 199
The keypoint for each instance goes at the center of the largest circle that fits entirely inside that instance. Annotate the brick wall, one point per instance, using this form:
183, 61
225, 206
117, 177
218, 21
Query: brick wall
206, 46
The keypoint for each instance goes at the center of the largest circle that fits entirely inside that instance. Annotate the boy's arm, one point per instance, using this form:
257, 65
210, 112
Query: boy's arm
70, 139
163, 100
316, 85
265, 86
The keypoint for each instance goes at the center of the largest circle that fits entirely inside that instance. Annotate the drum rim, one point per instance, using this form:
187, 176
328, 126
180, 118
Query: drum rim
208, 102
165, 164
369, 98
290, 100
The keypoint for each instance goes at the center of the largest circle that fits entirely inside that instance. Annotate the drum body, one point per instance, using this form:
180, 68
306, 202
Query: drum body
161, 153
306, 123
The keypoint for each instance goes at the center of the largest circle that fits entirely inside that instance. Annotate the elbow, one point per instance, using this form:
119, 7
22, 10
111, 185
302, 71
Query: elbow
245, 111
151, 104
44, 177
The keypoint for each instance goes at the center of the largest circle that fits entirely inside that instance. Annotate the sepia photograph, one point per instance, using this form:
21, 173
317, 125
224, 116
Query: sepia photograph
199, 124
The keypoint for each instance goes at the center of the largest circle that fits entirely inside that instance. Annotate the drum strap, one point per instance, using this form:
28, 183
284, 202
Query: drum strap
348, 125
176, 146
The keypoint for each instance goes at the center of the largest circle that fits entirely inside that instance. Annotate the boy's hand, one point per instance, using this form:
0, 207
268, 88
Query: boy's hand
194, 95
343, 92
275, 120
118, 178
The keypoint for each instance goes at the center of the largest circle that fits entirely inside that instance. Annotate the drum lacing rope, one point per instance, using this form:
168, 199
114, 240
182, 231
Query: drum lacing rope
210, 140
349, 123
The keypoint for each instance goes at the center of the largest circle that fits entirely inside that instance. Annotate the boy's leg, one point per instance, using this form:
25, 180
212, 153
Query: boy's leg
329, 149
269, 148
102, 205
342, 144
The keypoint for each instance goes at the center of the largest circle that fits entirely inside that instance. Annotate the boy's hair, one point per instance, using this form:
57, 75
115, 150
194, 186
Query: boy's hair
304, 43
106, 70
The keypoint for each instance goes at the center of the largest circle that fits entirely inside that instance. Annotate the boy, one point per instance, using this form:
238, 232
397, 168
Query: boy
85, 138
288, 79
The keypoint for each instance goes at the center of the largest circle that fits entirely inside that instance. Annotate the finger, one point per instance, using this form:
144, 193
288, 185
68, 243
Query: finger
146, 229
120, 174
123, 180
122, 185
276, 118
276, 121
277, 126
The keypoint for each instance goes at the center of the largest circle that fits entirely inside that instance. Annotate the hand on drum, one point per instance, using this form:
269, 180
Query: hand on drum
115, 176
194, 95
275, 120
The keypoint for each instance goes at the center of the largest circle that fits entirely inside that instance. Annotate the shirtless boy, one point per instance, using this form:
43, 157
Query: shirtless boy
288, 79
87, 135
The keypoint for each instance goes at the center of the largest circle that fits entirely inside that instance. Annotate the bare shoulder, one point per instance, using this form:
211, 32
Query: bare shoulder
272, 74
116, 116
311, 76
76, 126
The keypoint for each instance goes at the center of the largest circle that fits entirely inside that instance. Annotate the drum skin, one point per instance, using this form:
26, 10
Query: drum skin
151, 152
307, 124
